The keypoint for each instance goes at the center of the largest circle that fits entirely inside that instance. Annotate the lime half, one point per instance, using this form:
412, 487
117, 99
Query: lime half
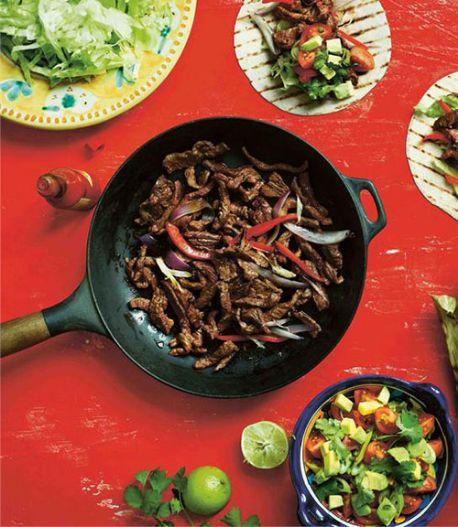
264, 444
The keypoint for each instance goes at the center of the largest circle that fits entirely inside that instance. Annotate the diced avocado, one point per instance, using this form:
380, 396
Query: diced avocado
361, 510
445, 168
348, 426
313, 466
431, 471
335, 501
335, 59
344, 90
384, 395
364, 446
312, 43
417, 471
375, 481
327, 72
344, 403
428, 456
400, 454
344, 487
334, 45
386, 511
320, 477
369, 407
324, 448
359, 435
331, 463
417, 449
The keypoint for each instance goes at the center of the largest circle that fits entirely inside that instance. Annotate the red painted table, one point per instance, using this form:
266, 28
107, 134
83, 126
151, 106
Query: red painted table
79, 419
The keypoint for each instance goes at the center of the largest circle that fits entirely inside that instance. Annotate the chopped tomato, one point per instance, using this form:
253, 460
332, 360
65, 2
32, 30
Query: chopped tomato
305, 75
411, 504
445, 107
429, 485
375, 449
385, 420
363, 59
366, 394
370, 519
437, 446
346, 511
427, 423
335, 412
436, 136
350, 444
424, 466
306, 59
351, 39
314, 443
365, 421
322, 30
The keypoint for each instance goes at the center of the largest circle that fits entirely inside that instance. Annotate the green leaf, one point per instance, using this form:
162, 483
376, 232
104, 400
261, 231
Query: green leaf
252, 521
329, 428
409, 425
205, 524
165, 523
133, 496
159, 480
180, 481
142, 476
175, 506
382, 466
163, 510
233, 518
151, 501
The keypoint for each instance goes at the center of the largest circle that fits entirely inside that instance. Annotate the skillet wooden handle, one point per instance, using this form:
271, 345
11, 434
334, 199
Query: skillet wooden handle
22, 332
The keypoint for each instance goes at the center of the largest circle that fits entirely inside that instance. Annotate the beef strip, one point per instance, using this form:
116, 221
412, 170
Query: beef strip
286, 38
324, 267
275, 187
225, 298
179, 302
206, 296
226, 268
299, 298
333, 255
315, 328
156, 311
261, 293
448, 125
201, 150
190, 176
202, 240
301, 186
261, 210
281, 167
249, 271
220, 357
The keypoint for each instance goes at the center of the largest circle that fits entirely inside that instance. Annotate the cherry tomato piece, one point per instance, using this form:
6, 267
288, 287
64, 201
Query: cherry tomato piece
322, 30
335, 412
346, 510
411, 504
429, 485
365, 421
366, 394
385, 420
362, 58
370, 519
437, 446
427, 423
306, 59
375, 449
314, 443
350, 444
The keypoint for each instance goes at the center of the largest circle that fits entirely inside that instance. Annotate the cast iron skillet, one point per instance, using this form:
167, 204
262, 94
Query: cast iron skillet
100, 302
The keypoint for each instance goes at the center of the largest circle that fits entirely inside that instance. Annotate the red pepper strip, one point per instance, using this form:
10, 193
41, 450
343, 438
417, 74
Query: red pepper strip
436, 136
445, 107
451, 179
243, 338
351, 39
302, 265
181, 244
262, 228
261, 246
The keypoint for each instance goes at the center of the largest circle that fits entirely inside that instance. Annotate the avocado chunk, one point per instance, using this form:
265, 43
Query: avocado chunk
384, 395
312, 43
329, 73
400, 454
331, 463
313, 466
334, 45
386, 511
445, 168
416, 474
344, 403
375, 481
344, 90
335, 59
431, 471
428, 456
417, 449
324, 448
335, 501
369, 407
364, 446
320, 477
359, 436
348, 426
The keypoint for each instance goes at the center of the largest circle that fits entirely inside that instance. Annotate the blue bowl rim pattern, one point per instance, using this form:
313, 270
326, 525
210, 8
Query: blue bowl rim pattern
310, 510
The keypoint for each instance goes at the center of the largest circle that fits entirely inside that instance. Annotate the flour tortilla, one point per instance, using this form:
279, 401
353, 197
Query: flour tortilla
421, 155
364, 19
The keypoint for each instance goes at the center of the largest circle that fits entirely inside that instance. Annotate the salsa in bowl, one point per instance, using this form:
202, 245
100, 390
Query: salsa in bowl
374, 451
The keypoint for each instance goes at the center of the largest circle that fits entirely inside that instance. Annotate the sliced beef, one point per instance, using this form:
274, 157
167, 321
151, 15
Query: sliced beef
299, 298
157, 313
447, 121
325, 268
281, 167
315, 328
202, 240
261, 293
226, 268
260, 211
301, 186
221, 357
201, 150
333, 255
275, 187
286, 38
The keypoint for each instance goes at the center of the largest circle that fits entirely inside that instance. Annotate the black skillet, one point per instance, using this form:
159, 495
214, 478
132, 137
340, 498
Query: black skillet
100, 302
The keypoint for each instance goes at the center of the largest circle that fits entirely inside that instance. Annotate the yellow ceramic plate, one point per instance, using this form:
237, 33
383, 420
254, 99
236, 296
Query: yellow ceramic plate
105, 96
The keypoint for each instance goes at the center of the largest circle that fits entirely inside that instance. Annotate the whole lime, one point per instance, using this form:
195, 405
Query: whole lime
208, 491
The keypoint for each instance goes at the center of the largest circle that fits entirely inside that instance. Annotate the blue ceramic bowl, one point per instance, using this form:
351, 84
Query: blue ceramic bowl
310, 510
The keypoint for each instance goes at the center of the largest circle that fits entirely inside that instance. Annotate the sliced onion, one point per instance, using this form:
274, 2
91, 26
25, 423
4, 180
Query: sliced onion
268, 8
189, 208
147, 239
175, 261
258, 343
280, 203
280, 322
320, 238
285, 333
299, 208
171, 274
266, 30
279, 280
277, 269
299, 328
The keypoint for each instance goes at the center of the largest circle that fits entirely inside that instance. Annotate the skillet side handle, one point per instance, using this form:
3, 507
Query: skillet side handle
356, 186
76, 312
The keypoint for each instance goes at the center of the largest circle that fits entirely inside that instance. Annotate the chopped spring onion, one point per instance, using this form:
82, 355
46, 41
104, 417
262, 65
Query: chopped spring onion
320, 238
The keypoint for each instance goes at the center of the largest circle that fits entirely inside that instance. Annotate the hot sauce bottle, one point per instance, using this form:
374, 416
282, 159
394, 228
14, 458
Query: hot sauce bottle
68, 188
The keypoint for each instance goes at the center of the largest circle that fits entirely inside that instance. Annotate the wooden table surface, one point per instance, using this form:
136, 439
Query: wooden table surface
79, 419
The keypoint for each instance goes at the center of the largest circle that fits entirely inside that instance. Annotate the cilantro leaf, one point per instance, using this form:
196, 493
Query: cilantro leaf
159, 480
361, 501
329, 428
234, 519
405, 471
163, 510
383, 466
409, 426
133, 496
142, 476
151, 501
175, 506
251, 521
180, 481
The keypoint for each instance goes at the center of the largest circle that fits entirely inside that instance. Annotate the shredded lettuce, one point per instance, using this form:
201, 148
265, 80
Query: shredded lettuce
69, 40
435, 110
